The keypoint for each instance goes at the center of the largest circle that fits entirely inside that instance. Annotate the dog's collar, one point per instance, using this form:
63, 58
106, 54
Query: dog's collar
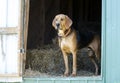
67, 32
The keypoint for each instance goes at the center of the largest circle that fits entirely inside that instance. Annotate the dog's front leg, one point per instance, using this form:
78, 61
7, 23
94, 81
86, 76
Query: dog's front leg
65, 56
74, 64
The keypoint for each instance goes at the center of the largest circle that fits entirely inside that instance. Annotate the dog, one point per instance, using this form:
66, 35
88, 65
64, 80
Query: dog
69, 43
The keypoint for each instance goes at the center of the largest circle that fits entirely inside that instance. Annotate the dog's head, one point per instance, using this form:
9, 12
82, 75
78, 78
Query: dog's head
61, 23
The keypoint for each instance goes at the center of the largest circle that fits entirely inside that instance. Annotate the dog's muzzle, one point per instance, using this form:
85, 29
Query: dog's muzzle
58, 25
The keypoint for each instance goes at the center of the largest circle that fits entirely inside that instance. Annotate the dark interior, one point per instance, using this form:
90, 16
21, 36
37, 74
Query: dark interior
46, 57
84, 13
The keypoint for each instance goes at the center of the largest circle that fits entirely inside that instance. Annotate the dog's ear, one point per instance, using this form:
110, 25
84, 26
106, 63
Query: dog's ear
68, 22
53, 23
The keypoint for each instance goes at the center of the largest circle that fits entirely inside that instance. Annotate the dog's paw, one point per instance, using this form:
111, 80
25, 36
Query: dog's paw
73, 74
66, 74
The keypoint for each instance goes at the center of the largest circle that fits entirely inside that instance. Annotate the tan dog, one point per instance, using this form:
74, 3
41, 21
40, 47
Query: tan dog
68, 42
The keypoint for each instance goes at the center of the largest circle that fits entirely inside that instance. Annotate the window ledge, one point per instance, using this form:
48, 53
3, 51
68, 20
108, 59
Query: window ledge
64, 78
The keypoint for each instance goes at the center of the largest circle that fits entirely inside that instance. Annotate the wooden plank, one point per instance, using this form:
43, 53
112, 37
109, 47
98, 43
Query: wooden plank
42, 12
20, 26
9, 30
65, 80
112, 41
23, 27
26, 22
87, 3
26, 30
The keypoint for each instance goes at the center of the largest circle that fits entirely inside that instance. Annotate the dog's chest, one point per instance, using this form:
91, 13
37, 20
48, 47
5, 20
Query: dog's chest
65, 45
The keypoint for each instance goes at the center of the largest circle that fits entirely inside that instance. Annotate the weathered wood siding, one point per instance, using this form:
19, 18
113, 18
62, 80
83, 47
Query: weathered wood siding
9, 16
112, 41
10, 28
64, 80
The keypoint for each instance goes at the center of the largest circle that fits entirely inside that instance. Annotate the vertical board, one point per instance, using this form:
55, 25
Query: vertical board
113, 41
25, 29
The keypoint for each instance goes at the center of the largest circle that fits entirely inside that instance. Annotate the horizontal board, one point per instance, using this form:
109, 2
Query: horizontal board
9, 30
63, 80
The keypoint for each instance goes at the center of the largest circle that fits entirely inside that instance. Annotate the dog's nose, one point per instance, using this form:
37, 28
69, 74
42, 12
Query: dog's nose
58, 24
